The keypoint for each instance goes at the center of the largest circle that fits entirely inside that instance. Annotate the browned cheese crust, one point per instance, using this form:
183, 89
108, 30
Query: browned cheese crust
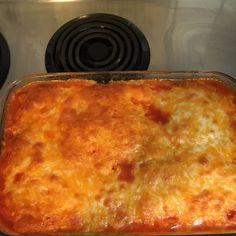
134, 156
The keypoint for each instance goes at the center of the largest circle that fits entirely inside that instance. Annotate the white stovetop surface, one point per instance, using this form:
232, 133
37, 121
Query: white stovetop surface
183, 34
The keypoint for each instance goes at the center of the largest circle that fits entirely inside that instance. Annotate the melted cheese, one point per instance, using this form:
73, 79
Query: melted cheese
136, 156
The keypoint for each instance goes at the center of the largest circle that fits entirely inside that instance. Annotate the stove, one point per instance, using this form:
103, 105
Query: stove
4, 59
97, 42
91, 35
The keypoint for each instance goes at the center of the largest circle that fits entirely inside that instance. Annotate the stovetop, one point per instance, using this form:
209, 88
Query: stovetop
182, 34
97, 42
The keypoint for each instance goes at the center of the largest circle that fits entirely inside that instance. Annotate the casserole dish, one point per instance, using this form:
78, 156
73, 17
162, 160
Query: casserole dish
143, 152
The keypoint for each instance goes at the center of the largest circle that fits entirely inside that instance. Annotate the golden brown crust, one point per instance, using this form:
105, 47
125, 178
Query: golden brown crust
136, 156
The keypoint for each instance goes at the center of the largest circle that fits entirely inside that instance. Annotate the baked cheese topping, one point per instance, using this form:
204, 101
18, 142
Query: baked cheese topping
135, 156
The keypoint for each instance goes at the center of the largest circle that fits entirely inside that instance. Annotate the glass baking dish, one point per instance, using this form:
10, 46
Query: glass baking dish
105, 77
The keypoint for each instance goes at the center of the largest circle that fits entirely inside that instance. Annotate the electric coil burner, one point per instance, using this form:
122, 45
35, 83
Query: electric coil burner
4, 60
97, 42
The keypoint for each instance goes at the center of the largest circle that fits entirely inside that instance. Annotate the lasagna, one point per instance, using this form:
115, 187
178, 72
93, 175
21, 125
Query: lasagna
138, 156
